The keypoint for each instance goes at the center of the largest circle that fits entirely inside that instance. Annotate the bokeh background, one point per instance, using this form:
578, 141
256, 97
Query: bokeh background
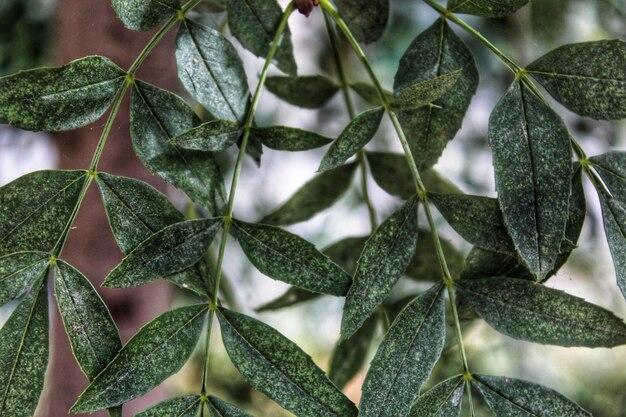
38, 32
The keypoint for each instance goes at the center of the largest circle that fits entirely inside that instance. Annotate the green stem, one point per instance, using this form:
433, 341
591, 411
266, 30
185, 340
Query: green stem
228, 217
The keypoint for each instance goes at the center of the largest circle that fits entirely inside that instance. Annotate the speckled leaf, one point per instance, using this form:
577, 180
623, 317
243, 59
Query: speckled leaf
612, 168
383, 260
213, 136
157, 116
157, 351
144, 14
532, 162
311, 91
24, 353
220, 408
35, 209
211, 71
283, 138
589, 78
350, 355
406, 357
366, 18
510, 397
486, 8
529, 311
436, 51
287, 257
87, 321
174, 407
356, 135
18, 271
424, 265
313, 197
391, 172
168, 251
254, 24
370, 94
60, 98
443, 400
424, 92
278, 368
477, 219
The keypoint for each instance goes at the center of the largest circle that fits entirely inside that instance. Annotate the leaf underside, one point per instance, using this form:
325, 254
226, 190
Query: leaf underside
144, 14
443, 400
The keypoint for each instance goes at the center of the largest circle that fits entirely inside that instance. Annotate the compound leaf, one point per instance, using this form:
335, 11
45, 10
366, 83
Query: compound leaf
517, 398
434, 52
144, 14
356, 135
406, 357
280, 369
157, 351
220, 408
486, 8
213, 136
529, 311
384, 258
424, 92
18, 271
35, 209
60, 98
313, 197
366, 18
443, 400
174, 407
287, 257
157, 116
311, 91
283, 138
533, 168
254, 24
588, 78
211, 71
24, 353
87, 321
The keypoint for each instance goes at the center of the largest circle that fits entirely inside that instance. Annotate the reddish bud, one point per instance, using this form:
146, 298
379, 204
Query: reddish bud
306, 6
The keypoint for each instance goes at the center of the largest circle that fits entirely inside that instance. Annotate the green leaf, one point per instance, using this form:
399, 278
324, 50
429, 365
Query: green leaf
254, 24
283, 138
612, 168
144, 14
313, 197
35, 209
532, 163
174, 407
350, 355
588, 78
24, 353
370, 94
135, 209
287, 257
355, 136
211, 71
424, 92
18, 271
366, 18
383, 260
486, 8
280, 369
424, 265
292, 296
512, 397
443, 400
213, 136
157, 116
529, 311
157, 351
87, 321
406, 357
391, 172
477, 219
311, 91
60, 98
220, 408
170, 250
436, 51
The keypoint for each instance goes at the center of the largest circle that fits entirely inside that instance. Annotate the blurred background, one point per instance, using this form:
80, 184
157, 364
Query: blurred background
40, 32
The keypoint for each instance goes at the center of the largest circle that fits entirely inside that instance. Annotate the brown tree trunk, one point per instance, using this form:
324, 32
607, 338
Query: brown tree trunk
91, 28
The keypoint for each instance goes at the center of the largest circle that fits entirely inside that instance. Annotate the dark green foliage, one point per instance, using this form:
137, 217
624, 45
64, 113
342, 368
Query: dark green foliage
425, 92
369, 93
18, 271
175, 407
144, 14
213, 136
220, 408
424, 265
280, 369
366, 18
310, 91
283, 138
487, 8
443, 400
